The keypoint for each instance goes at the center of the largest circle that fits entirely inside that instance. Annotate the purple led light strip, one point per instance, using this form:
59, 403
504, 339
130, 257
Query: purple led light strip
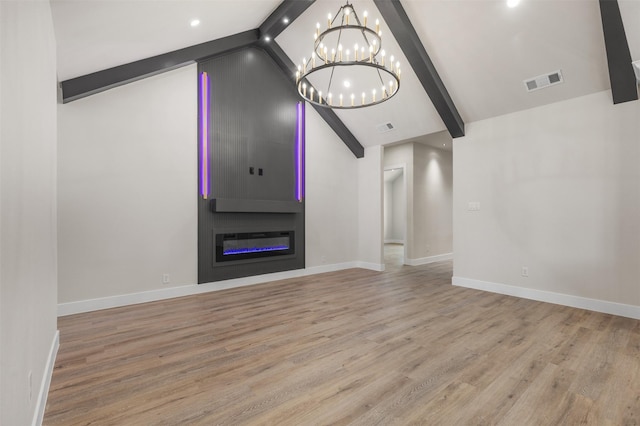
299, 151
204, 135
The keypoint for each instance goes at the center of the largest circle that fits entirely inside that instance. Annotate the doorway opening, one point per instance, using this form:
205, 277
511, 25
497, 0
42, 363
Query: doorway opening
395, 216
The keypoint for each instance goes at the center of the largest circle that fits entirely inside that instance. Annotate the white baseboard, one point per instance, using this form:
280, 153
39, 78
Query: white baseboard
41, 404
613, 308
90, 305
430, 259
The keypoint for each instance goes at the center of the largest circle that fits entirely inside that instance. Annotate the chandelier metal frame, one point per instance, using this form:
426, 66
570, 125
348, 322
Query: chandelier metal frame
366, 56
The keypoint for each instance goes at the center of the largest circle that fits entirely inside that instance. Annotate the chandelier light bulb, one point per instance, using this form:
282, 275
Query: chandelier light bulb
363, 97
341, 99
311, 92
320, 96
365, 14
377, 25
353, 97
373, 92
329, 21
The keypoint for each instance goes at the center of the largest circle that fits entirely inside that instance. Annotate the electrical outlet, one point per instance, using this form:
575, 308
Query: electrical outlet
525, 271
166, 279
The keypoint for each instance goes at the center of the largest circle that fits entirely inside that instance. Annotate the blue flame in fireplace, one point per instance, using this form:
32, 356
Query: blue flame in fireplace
245, 250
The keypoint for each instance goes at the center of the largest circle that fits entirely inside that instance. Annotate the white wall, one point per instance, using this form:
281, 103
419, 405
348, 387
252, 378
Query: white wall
370, 226
28, 96
433, 197
331, 196
127, 188
559, 193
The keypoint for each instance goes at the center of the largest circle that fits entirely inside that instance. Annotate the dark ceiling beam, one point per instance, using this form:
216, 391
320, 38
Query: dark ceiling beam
288, 10
624, 86
405, 34
289, 70
100, 81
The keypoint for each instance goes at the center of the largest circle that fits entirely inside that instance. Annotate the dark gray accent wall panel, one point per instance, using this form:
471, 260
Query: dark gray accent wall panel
330, 117
252, 136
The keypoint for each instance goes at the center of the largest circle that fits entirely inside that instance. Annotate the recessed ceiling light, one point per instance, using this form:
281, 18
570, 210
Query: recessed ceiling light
347, 83
513, 3
285, 20
267, 39
195, 22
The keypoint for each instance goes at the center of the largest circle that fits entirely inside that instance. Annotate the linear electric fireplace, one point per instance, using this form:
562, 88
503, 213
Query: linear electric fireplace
254, 245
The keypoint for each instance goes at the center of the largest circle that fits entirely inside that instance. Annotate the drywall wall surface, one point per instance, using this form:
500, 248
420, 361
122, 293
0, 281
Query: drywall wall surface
28, 96
433, 198
331, 196
128, 187
555, 189
370, 226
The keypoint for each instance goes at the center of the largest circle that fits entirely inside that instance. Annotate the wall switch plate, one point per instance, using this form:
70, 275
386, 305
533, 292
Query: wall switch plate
166, 279
525, 271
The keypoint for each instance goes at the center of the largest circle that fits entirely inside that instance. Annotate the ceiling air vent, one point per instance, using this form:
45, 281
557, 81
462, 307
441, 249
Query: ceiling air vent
385, 127
542, 81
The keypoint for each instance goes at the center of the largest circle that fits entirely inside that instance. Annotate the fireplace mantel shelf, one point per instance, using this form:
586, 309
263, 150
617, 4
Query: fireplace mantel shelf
236, 205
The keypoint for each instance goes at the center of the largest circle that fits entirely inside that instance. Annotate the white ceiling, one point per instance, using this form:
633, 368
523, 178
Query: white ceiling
482, 49
93, 35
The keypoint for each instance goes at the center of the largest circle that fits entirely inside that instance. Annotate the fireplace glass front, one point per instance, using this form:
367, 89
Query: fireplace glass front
252, 245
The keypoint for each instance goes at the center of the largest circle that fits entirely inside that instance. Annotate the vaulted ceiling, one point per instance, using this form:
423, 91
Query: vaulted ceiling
482, 50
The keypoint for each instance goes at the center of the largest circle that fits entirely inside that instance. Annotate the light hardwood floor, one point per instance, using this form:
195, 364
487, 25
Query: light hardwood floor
352, 347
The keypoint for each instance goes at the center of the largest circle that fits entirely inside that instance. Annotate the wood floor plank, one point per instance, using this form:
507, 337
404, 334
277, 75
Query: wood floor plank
351, 347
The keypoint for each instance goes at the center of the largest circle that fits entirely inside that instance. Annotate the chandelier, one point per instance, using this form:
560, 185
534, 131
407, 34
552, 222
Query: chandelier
343, 71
